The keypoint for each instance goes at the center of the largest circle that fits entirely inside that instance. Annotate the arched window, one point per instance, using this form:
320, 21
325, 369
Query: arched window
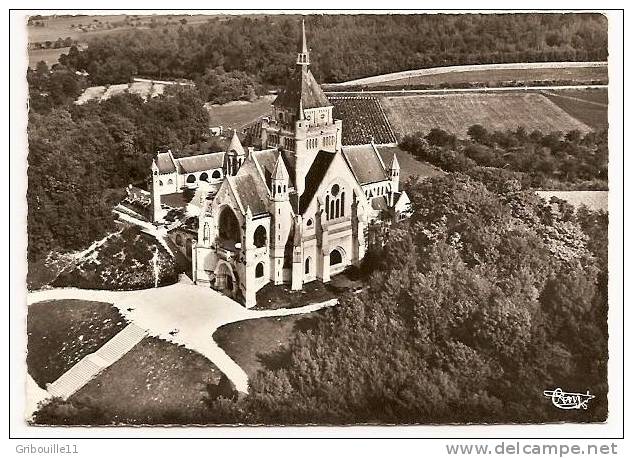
259, 237
216, 174
170, 181
336, 257
160, 182
191, 178
335, 202
259, 270
204, 176
228, 228
178, 239
307, 266
309, 222
342, 204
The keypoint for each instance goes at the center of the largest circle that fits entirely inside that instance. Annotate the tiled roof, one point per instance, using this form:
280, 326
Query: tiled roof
250, 188
302, 87
314, 177
248, 193
365, 163
164, 163
199, 163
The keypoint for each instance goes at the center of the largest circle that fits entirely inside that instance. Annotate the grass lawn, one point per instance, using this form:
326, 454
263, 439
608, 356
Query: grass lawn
157, 382
235, 115
455, 113
259, 344
272, 297
62, 332
589, 106
409, 165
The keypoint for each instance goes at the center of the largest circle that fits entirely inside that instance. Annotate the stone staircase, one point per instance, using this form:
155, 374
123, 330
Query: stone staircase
91, 365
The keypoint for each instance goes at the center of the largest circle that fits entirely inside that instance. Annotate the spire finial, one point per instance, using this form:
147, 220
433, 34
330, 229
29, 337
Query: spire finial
303, 55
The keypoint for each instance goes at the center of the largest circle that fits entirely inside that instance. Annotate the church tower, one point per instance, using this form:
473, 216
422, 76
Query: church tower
302, 122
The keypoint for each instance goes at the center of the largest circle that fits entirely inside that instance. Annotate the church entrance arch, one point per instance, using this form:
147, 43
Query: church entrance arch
225, 279
337, 256
228, 229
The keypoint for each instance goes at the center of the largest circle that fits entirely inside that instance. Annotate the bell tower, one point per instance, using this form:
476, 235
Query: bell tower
302, 123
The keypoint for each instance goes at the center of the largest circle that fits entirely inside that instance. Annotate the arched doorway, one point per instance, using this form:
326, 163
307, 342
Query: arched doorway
225, 280
229, 229
336, 257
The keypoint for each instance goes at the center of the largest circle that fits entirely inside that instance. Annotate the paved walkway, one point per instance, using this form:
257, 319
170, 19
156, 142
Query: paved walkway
91, 365
184, 314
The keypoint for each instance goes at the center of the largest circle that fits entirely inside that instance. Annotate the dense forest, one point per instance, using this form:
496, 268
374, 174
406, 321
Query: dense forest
343, 47
476, 305
81, 157
536, 160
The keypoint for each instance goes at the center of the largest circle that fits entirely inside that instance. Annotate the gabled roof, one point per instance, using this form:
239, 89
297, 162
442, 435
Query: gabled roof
302, 90
165, 163
250, 188
201, 162
314, 177
366, 164
248, 194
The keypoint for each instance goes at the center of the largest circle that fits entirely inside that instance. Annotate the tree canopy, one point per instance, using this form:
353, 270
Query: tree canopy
343, 47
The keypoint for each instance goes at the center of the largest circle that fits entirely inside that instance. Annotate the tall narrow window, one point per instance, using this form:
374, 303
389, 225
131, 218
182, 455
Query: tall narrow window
206, 233
342, 204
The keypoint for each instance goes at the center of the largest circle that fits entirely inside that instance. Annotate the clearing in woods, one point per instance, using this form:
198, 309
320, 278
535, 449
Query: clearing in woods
236, 115
457, 112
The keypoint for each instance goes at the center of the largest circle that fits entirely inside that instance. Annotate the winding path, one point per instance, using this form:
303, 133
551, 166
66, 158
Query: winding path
184, 314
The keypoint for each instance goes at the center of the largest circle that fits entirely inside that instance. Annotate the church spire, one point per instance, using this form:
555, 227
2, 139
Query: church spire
303, 55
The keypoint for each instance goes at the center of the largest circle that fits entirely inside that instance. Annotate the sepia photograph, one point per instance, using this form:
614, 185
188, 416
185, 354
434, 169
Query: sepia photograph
317, 218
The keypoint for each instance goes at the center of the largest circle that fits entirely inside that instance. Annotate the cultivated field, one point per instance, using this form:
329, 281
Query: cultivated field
488, 72
456, 112
82, 27
588, 106
363, 119
494, 77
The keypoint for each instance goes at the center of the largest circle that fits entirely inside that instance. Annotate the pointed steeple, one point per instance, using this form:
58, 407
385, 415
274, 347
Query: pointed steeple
235, 146
395, 165
303, 55
280, 172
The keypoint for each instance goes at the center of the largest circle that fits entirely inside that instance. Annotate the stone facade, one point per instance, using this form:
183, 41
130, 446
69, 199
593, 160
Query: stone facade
297, 210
